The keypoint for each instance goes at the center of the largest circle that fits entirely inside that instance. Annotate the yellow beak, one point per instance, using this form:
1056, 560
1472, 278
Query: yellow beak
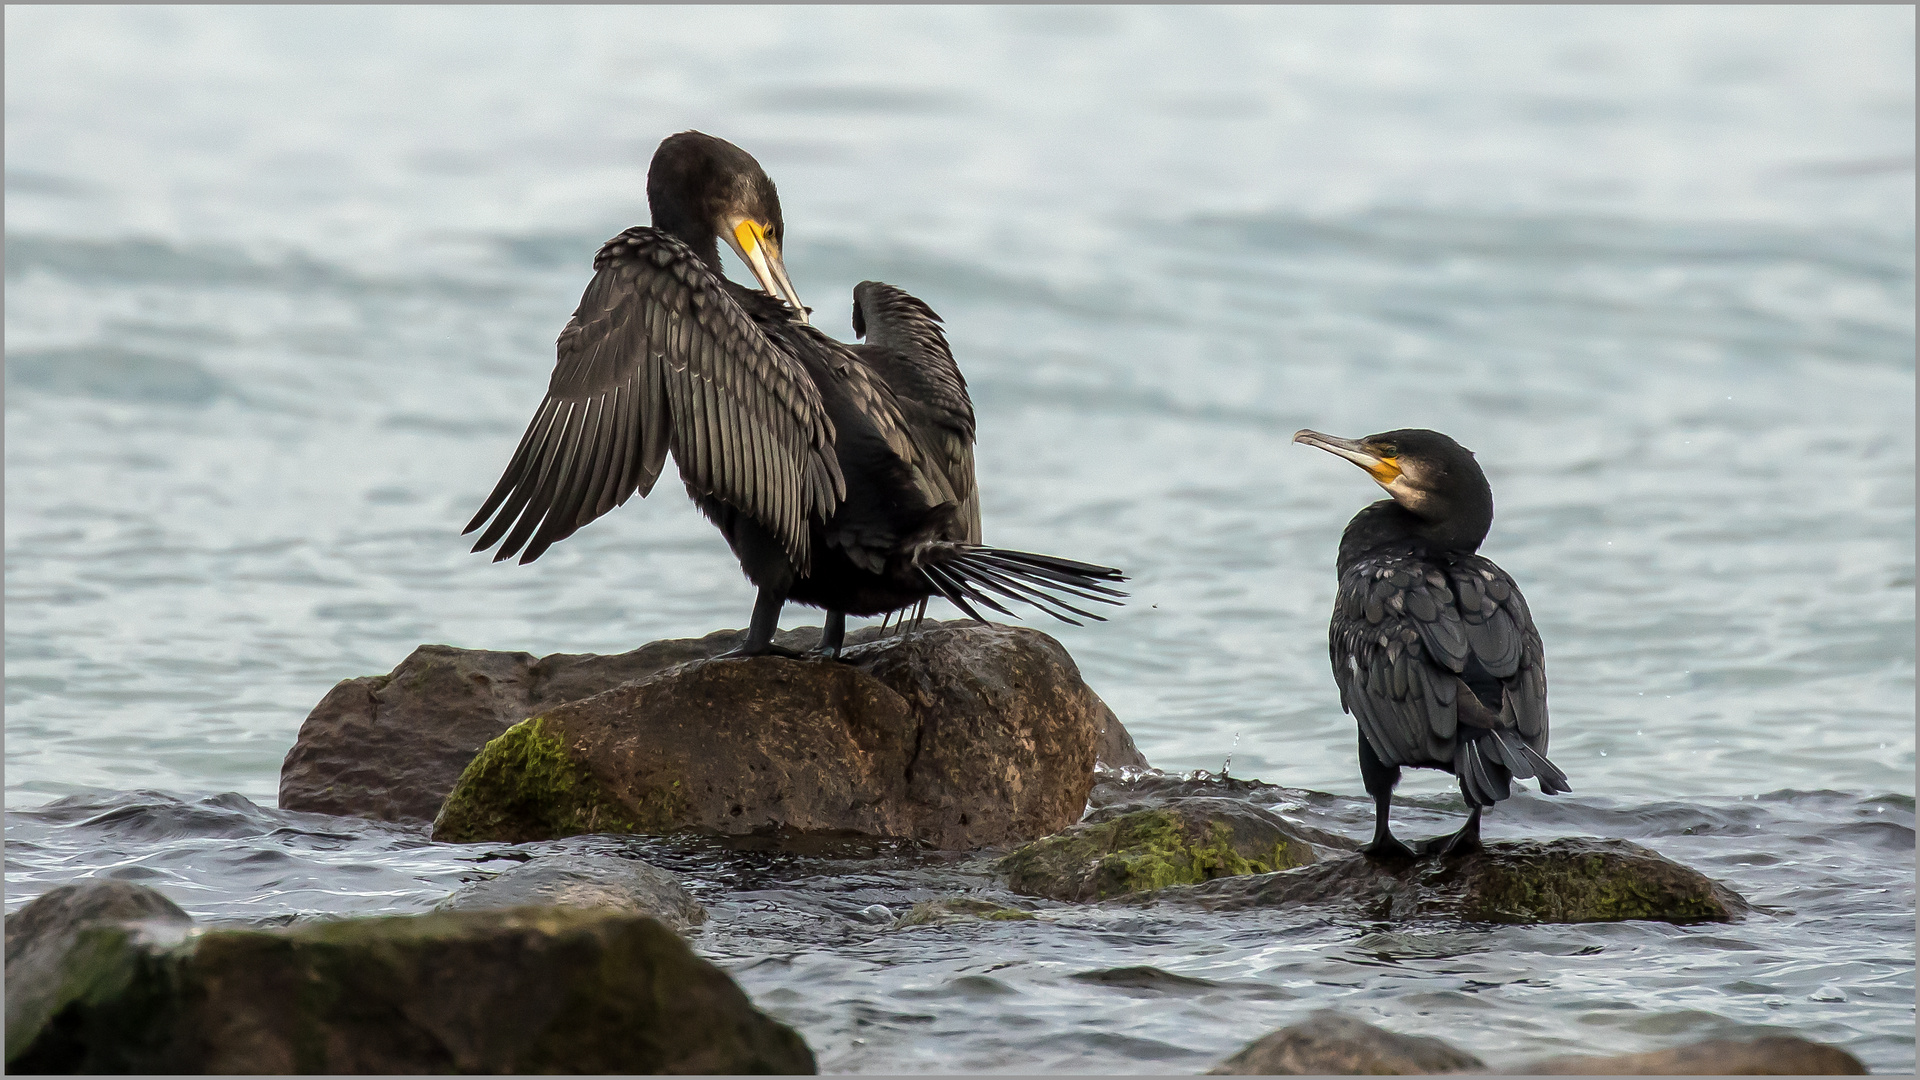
761, 252
1383, 470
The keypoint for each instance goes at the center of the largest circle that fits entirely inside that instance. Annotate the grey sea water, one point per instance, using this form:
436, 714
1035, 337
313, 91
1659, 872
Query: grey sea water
282, 287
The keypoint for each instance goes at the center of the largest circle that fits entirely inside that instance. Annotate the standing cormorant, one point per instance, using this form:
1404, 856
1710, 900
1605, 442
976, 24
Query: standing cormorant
1433, 648
841, 475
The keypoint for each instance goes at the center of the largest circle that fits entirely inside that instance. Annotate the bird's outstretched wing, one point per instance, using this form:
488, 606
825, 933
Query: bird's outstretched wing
659, 357
1410, 637
905, 345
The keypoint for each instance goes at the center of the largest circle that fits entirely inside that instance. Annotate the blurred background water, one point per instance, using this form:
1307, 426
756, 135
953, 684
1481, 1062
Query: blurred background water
282, 287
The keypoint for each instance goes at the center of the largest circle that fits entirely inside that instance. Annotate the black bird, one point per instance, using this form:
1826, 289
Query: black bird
841, 475
1433, 648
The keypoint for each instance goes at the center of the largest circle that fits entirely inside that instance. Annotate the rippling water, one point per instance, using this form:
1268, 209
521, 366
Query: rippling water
282, 287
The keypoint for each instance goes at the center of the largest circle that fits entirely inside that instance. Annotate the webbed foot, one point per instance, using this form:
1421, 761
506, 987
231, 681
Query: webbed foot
1454, 845
1388, 849
1451, 846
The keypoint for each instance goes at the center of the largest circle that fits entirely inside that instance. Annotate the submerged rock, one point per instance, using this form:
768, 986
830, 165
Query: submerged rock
392, 746
1571, 880
1774, 1055
602, 882
959, 909
1329, 1044
1131, 848
959, 736
531, 989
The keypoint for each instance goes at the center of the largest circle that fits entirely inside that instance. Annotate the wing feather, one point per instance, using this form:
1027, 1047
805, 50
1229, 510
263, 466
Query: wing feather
909, 350
660, 358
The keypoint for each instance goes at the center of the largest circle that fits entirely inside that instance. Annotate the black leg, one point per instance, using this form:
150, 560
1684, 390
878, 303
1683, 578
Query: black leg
1464, 842
833, 633
1380, 778
766, 620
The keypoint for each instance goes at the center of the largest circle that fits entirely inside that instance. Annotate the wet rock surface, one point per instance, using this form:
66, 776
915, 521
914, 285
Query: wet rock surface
390, 747
1329, 1044
531, 989
959, 736
599, 882
1569, 880
1136, 847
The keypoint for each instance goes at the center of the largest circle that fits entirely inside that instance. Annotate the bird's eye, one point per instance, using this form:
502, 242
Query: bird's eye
1387, 451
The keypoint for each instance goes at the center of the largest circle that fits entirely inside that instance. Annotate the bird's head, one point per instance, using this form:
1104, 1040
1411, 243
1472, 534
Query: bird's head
1433, 477
700, 188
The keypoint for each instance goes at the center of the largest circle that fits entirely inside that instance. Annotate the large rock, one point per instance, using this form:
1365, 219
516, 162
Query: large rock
1329, 1044
601, 882
50, 966
1571, 880
959, 736
526, 990
1133, 848
391, 746
1773, 1055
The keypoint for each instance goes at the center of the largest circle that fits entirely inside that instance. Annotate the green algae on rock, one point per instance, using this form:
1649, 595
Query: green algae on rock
1127, 849
525, 786
521, 990
1569, 880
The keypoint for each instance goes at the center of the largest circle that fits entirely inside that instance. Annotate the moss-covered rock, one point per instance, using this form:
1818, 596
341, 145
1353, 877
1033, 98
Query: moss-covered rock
1570, 880
959, 909
525, 990
524, 786
1131, 849
959, 736
70, 945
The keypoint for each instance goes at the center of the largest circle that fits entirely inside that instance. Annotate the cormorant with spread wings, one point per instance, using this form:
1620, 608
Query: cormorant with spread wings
841, 475
1432, 645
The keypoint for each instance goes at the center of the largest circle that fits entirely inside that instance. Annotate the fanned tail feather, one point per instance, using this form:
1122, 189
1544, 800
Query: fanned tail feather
1529, 764
1552, 780
966, 575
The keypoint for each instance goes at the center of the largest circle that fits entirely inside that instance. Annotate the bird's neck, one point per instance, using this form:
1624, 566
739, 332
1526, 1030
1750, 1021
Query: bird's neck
704, 242
1388, 524
672, 216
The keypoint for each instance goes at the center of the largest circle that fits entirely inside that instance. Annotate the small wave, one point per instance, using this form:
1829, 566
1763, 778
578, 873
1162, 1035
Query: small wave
109, 373
145, 261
